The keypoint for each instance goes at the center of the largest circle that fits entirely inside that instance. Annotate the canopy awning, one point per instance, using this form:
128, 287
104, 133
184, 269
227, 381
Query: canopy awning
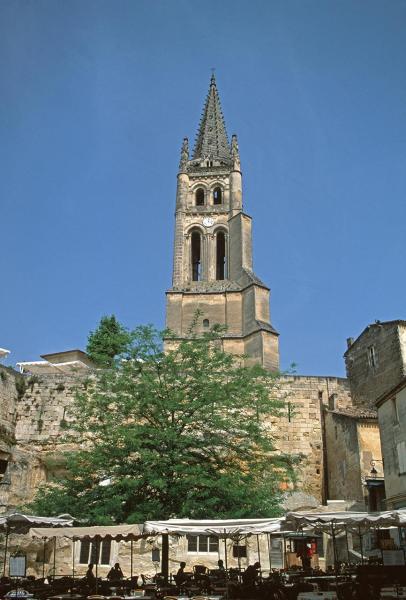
18, 521
43, 367
114, 532
326, 521
218, 528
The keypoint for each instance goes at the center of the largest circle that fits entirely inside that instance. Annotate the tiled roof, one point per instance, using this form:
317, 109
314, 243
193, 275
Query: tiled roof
357, 412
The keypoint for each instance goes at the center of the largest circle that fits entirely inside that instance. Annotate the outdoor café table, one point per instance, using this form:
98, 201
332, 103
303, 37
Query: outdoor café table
63, 596
209, 597
317, 596
134, 597
393, 592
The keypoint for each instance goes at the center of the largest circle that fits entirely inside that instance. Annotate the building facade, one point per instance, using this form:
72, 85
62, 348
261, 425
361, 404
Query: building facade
392, 425
376, 361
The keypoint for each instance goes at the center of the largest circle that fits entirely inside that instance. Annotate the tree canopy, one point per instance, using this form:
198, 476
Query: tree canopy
182, 433
108, 341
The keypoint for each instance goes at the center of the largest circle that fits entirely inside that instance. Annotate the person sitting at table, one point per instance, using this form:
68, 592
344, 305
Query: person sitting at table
115, 573
250, 575
181, 576
219, 574
90, 576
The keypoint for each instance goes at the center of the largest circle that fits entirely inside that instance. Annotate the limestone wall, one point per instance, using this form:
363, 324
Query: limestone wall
300, 431
8, 397
39, 418
370, 379
392, 423
40, 415
344, 472
10, 382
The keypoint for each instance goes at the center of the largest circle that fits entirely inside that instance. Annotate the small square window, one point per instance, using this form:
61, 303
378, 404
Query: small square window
240, 551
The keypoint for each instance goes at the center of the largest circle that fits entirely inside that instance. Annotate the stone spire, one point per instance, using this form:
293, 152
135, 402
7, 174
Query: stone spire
212, 141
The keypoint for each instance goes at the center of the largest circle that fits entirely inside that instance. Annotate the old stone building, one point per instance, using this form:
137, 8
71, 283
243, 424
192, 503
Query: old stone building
376, 360
212, 272
392, 424
330, 422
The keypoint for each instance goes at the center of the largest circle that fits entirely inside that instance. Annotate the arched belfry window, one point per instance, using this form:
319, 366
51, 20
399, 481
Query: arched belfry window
221, 256
196, 256
217, 195
199, 197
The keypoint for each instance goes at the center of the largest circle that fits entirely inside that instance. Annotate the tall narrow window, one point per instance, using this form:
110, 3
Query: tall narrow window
217, 195
372, 357
221, 258
196, 256
200, 197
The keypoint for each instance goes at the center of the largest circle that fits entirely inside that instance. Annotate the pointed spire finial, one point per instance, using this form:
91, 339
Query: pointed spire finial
235, 152
184, 155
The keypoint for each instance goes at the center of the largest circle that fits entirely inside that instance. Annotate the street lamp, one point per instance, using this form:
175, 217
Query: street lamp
373, 471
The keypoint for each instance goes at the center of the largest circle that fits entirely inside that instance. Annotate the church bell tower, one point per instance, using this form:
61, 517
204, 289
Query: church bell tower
212, 263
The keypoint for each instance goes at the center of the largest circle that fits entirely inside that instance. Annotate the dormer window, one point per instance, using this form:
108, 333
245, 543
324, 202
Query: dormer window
217, 195
200, 197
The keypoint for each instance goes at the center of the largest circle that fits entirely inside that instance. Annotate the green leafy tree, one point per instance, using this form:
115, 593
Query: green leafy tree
182, 433
108, 341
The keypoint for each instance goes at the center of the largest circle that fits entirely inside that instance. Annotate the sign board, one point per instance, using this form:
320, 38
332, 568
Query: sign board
17, 565
156, 555
393, 557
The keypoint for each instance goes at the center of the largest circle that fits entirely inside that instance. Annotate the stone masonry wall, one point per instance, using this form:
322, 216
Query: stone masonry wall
8, 397
368, 381
40, 413
9, 390
301, 431
392, 424
343, 464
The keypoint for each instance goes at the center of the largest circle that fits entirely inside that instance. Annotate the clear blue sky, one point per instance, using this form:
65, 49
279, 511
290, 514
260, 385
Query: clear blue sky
95, 98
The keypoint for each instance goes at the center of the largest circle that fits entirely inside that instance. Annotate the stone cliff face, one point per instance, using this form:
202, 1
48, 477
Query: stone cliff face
32, 415
9, 391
